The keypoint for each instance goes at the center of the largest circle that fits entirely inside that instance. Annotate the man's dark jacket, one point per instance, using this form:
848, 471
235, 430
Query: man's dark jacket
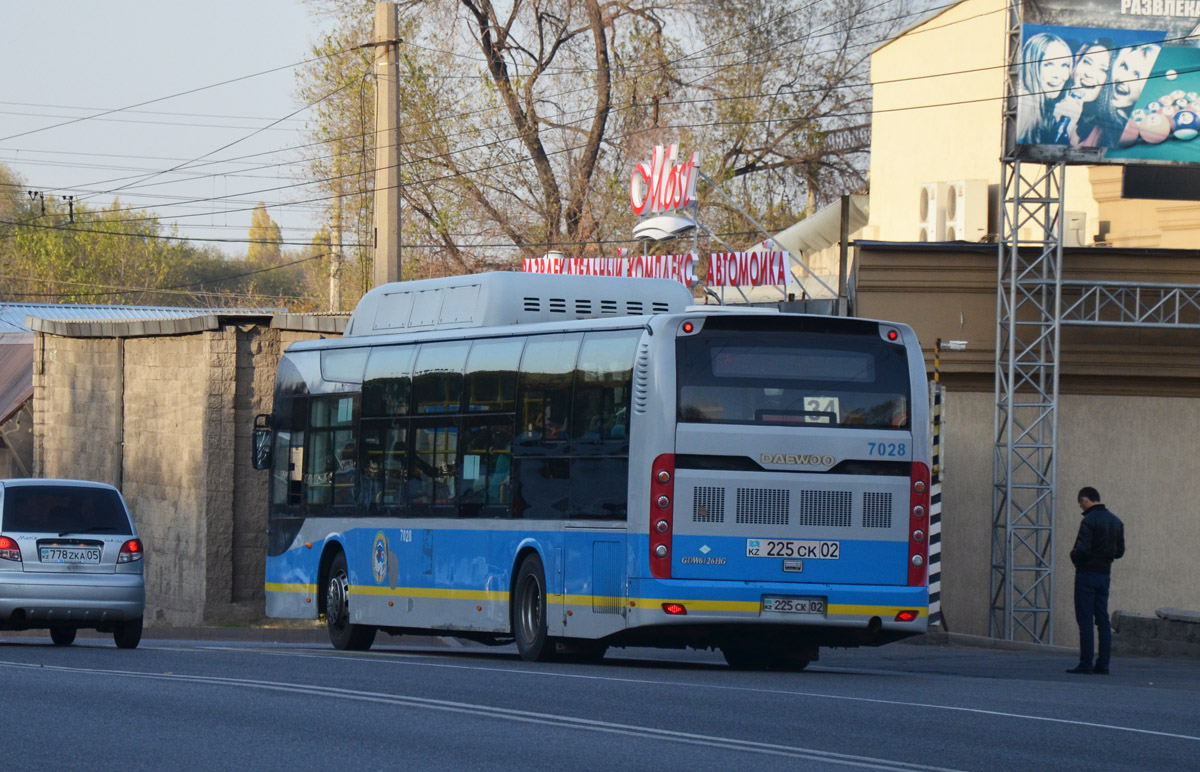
1101, 540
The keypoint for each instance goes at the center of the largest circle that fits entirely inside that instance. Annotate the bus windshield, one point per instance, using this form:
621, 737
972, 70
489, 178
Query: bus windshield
737, 372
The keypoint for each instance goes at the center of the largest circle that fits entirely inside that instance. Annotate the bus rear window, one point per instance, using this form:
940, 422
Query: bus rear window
792, 377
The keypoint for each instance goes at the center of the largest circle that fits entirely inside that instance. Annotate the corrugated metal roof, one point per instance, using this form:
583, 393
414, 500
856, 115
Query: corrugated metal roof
16, 378
12, 315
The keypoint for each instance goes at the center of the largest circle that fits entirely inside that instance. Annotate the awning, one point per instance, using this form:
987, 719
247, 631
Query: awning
821, 230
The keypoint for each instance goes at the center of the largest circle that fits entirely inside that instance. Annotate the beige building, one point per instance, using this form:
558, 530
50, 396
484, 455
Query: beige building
938, 91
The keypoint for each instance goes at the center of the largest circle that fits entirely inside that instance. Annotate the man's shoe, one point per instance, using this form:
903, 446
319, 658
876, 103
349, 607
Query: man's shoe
1100, 670
1081, 669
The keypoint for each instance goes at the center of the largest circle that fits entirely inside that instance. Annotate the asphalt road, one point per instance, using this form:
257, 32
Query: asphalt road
426, 704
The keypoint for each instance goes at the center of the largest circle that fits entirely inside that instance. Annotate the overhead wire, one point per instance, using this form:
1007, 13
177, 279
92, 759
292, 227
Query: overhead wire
509, 139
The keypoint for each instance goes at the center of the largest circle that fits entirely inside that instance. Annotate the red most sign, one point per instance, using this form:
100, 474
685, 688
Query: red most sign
664, 184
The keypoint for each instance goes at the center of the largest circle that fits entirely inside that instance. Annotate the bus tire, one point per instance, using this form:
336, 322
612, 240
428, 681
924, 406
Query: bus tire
342, 633
751, 658
529, 611
745, 658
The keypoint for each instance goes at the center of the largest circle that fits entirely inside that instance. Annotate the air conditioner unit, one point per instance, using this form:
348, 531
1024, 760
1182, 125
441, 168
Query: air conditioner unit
1075, 229
931, 211
967, 210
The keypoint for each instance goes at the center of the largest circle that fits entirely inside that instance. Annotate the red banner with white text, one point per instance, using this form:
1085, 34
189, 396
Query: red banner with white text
725, 269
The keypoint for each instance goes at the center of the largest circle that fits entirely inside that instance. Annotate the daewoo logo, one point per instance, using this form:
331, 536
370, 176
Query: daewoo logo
792, 459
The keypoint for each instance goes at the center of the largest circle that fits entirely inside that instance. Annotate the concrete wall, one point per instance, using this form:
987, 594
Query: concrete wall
1138, 451
184, 467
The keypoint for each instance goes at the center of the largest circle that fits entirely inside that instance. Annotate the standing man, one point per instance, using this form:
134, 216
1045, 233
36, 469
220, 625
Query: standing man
1101, 540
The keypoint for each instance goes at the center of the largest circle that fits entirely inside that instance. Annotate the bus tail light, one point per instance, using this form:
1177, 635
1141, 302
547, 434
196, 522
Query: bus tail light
907, 615
918, 505
675, 609
662, 506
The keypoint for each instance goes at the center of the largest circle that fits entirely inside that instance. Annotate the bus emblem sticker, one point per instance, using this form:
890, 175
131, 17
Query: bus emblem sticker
379, 558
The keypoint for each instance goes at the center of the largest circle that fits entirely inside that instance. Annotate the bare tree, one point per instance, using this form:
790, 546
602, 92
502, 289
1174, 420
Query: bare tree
521, 122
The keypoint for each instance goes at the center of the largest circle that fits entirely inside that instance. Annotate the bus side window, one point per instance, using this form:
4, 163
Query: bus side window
331, 474
603, 381
544, 393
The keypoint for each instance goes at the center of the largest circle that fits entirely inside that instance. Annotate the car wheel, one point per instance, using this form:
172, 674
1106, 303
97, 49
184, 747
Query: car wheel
529, 612
62, 636
128, 634
342, 633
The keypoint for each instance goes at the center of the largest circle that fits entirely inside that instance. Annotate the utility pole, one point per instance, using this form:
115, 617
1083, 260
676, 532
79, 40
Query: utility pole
387, 145
336, 259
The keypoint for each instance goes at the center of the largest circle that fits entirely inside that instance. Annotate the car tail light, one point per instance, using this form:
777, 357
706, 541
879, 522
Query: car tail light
9, 549
918, 505
130, 551
662, 505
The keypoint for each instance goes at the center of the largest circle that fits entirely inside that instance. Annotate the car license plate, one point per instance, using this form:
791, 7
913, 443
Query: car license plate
70, 554
784, 605
793, 548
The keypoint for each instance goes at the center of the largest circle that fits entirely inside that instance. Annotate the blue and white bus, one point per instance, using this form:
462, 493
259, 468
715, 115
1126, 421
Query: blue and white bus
573, 463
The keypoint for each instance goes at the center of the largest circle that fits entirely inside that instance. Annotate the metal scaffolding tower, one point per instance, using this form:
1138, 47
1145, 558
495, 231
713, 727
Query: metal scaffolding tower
1028, 325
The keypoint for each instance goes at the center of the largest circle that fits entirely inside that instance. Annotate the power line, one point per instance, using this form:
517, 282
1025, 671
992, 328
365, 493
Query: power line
165, 98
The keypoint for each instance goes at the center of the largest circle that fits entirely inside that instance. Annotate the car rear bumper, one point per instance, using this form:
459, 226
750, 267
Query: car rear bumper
37, 600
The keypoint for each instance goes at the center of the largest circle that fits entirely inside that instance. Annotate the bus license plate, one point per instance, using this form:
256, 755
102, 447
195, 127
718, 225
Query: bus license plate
793, 548
70, 555
782, 605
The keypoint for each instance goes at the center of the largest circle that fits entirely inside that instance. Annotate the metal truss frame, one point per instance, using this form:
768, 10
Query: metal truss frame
1028, 330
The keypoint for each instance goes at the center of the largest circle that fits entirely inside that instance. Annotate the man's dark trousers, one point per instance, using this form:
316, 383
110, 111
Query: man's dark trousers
1091, 608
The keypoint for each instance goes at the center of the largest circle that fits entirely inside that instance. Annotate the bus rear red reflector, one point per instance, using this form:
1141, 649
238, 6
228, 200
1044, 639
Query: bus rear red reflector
674, 608
906, 616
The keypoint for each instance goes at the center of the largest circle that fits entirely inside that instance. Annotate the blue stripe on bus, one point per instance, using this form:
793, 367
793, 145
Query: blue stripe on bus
482, 561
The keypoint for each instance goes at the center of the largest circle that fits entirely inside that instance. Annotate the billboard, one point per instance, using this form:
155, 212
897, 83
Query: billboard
1108, 81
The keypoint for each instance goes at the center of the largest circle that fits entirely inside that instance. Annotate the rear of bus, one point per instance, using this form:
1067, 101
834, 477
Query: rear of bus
788, 490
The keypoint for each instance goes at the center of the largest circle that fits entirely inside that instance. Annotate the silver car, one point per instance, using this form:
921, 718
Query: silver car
70, 557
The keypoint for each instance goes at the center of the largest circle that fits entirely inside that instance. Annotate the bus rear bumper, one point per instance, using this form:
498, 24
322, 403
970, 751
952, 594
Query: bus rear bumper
860, 615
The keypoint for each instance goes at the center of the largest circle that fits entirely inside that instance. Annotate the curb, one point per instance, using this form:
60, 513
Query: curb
982, 642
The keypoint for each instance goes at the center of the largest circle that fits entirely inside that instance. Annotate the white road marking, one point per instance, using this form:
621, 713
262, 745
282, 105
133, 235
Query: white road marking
507, 714
407, 659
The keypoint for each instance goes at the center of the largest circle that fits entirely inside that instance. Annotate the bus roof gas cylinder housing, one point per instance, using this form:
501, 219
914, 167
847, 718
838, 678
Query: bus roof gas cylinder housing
500, 298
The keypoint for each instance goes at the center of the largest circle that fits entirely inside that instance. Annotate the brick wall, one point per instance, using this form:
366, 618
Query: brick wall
185, 468
163, 474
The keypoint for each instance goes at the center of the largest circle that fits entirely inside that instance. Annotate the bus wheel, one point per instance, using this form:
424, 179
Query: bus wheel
529, 612
745, 658
343, 634
795, 661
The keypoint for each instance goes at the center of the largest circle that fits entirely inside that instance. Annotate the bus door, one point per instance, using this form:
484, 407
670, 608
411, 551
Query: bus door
596, 531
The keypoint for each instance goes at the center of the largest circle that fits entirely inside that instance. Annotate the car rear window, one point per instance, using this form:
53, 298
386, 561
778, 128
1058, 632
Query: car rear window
64, 509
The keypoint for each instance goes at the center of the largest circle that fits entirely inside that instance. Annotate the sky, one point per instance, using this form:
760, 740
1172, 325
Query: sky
71, 60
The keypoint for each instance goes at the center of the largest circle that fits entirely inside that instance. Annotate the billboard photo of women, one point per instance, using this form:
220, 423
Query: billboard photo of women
1082, 114
1088, 102
1046, 61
